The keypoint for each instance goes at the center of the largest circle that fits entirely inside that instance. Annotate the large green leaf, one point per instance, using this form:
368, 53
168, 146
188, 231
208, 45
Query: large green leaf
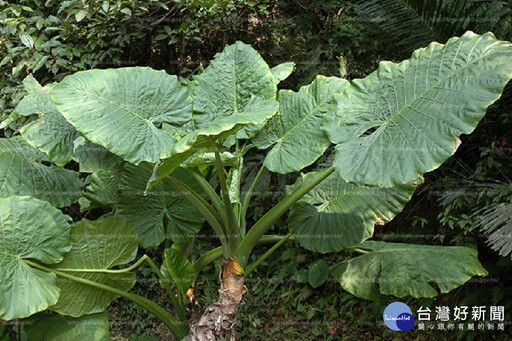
255, 112
404, 119
296, 133
29, 229
102, 189
282, 71
148, 213
97, 247
50, 133
258, 111
207, 158
123, 109
235, 94
318, 272
92, 157
55, 327
35, 101
228, 84
336, 215
407, 269
21, 173
179, 269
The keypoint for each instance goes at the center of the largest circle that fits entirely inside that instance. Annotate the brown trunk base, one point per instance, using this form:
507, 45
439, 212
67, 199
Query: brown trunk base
219, 319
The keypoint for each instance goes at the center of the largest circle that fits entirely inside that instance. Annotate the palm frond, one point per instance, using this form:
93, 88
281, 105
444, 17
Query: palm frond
412, 24
497, 221
494, 16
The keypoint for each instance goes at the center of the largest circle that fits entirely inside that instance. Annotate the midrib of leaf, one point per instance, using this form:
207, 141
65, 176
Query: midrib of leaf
235, 100
338, 198
435, 86
442, 249
99, 270
20, 155
11, 255
115, 105
409, 105
313, 111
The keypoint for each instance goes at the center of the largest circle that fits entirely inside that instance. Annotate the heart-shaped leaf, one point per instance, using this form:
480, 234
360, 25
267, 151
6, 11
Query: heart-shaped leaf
231, 81
22, 173
123, 109
235, 94
407, 269
296, 133
404, 119
50, 133
148, 213
97, 247
54, 327
336, 215
30, 229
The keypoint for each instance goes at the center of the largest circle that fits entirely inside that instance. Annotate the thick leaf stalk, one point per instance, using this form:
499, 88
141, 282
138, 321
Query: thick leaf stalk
164, 316
265, 222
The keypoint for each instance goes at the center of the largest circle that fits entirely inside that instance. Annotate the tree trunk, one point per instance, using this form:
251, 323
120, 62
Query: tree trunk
219, 319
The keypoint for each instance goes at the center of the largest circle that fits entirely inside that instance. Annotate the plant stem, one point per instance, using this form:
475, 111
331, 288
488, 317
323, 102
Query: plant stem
108, 271
165, 282
180, 330
356, 249
266, 222
216, 253
245, 148
232, 228
247, 200
93, 199
201, 205
236, 186
270, 251
207, 258
205, 185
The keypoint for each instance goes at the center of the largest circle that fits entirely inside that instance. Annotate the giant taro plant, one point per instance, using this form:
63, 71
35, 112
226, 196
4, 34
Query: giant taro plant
162, 158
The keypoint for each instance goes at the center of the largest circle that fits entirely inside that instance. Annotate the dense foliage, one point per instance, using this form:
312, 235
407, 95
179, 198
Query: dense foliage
53, 40
52, 152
